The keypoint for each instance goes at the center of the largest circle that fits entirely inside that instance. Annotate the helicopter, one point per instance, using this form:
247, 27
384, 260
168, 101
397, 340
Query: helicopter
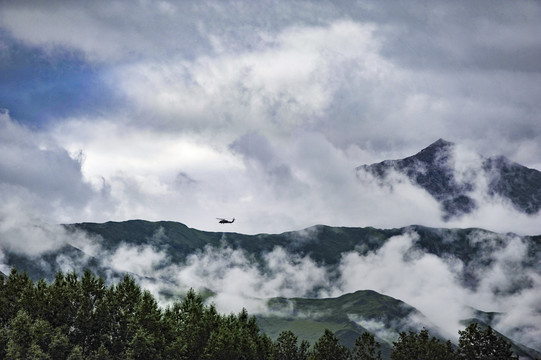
225, 221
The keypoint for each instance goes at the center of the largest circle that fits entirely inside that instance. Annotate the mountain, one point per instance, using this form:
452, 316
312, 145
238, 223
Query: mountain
435, 170
348, 316
169, 248
326, 245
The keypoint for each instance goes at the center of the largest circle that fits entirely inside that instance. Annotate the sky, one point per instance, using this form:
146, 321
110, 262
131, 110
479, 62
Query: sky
192, 110
261, 111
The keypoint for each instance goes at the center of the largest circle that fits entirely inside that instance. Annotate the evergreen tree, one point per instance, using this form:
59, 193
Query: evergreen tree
64, 299
101, 354
223, 341
4, 338
185, 321
477, 344
16, 290
148, 341
20, 336
34, 339
76, 354
143, 346
3, 313
328, 347
90, 316
366, 348
123, 301
420, 346
286, 347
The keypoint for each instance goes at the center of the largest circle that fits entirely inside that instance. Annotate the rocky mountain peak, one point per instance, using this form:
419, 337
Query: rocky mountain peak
434, 169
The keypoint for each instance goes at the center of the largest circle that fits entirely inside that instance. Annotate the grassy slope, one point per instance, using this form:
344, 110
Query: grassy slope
308, 318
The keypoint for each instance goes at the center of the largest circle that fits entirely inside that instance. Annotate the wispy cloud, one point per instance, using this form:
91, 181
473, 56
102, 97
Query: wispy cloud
190, 110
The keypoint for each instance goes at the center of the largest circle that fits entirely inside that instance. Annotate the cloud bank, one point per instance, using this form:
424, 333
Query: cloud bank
220, 111
192, 110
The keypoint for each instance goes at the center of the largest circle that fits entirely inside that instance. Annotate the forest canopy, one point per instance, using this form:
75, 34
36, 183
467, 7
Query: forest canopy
83, 318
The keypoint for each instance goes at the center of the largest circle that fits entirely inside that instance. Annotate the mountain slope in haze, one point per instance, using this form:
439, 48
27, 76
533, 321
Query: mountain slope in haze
326, 245
348, 316
437, 169
475, 248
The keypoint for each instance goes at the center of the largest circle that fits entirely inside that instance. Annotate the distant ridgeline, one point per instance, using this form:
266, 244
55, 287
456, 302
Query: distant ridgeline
324, 244
83, 318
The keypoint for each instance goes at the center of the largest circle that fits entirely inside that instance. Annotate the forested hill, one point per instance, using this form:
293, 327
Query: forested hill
324, 244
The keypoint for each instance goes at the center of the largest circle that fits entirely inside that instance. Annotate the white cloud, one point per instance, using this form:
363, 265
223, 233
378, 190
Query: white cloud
430, 283
240, 281
141, 260
426, 281
274, 88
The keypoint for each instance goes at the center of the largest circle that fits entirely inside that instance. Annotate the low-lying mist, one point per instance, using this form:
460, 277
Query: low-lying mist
234, 278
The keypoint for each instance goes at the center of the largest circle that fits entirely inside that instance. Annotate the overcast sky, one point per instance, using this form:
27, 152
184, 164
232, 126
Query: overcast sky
258, 110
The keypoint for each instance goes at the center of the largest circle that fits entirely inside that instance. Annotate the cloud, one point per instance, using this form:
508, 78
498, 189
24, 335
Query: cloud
281, 84
101, 31
422, 274
141, 260
262, 111
265, 117
237, 279
40, 183
428, 282
4, 267
35, 166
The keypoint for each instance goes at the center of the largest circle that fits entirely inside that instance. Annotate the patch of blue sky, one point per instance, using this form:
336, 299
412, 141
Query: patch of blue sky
37, 88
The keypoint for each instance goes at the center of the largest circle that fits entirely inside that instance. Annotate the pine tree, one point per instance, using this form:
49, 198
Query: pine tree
286, 347
88, 329
366, 348
143, 346
20, 336
16, 290
64, 299
123, 302
420, 346
328, 347
190, 324
477, 344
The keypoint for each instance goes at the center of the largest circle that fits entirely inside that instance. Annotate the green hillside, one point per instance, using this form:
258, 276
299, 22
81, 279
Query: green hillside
324, 244
308, 318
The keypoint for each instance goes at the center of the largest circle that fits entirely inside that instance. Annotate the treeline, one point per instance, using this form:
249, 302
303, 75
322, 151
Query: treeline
83, 318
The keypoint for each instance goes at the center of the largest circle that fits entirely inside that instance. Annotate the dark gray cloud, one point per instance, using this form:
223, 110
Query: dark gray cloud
36, 168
